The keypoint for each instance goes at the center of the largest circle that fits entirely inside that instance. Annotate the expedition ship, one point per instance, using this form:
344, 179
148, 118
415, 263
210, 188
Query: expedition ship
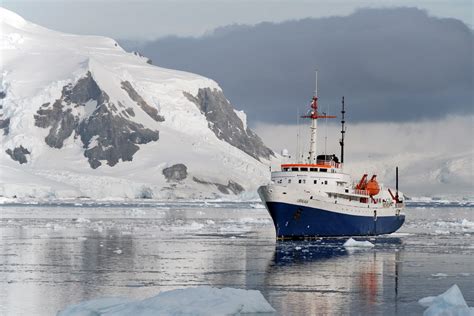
317, 199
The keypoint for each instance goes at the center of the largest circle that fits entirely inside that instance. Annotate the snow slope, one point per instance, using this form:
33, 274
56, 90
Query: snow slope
82, 117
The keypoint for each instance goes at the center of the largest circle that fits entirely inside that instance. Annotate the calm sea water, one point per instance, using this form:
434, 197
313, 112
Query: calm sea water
52, 256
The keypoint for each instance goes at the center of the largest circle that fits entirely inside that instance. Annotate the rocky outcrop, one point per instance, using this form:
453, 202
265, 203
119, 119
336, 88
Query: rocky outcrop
112, 138
148, 60
60, 119
231, 187
176, 172
5, 125
4, 122
18, 154
150, 110
105, 134
225, 123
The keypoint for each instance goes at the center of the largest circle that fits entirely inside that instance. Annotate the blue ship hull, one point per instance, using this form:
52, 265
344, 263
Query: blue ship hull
295, 221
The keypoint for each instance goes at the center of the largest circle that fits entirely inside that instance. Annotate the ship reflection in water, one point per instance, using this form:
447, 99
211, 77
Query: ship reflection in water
322, 277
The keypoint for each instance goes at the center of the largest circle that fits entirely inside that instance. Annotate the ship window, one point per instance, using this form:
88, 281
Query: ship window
294, 169
303, 169
323, 170
315, 181
289, 180
313, 169
347, 190
326, 182
304, 181
285, 169
299, 181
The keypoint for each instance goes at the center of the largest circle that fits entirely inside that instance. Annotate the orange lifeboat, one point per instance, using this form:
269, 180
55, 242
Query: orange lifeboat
372, 186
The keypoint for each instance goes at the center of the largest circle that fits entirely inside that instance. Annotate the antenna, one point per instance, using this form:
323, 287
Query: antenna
343, 131
326, 133
396, 184
316, 86
297, 153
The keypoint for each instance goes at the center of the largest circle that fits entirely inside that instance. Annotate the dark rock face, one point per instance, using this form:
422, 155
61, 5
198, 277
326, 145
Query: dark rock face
4, 122
227, 126
176, 172
59, 117
105, 134
231, 186
18, 154
61, 121
5, 125
148, 60
132, 93
116, 138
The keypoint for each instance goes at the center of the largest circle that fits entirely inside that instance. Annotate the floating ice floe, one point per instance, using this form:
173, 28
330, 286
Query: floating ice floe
82, 220
203, 300
354, 243
439, 275
462, 225
450, 303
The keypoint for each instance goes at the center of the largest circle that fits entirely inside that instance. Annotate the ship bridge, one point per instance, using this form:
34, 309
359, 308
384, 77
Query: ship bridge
324, 163
327, 171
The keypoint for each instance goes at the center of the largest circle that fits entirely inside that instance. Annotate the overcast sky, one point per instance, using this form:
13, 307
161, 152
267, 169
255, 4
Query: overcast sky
153, 19
397, 64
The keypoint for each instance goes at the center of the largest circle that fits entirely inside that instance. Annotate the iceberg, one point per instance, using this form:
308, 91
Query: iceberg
202, 300
450, 303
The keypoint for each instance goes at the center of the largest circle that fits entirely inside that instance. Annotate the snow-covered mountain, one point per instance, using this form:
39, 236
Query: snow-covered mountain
80, 116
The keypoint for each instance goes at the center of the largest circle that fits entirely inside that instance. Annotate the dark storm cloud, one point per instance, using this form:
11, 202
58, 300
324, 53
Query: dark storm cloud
390, 64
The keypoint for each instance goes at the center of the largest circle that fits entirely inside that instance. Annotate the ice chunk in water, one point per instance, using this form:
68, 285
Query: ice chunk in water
449, 303
203, 300
354, 243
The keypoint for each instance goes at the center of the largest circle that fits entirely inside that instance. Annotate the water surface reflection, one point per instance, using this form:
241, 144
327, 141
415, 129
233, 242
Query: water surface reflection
52, 257
323, 277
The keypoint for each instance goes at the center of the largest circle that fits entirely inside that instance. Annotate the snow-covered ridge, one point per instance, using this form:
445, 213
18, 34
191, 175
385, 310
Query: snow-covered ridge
11, 18
80, 117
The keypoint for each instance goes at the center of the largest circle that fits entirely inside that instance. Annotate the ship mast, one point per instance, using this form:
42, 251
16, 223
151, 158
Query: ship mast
314, 115
343, 131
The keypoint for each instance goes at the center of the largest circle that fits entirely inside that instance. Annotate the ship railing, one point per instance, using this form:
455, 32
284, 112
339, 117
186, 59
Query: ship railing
361, 192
